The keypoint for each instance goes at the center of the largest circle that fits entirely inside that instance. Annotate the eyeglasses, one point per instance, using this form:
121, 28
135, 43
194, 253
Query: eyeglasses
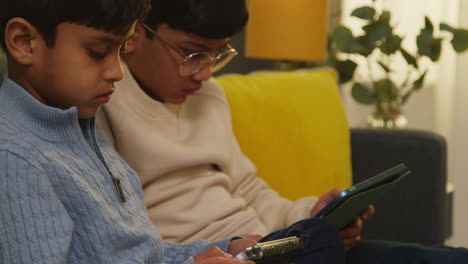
195, 62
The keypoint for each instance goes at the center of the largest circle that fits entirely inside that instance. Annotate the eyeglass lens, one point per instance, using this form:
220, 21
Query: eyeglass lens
195, 62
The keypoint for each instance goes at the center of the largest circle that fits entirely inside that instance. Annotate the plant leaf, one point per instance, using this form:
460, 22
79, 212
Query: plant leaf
428, 24
362, 94
410, 59
345, 70
419, 82
391, 44
342, 37
428, 45
460, 40
365, 12
385, 16
446, 27
366, 45
345, 41
385, 90
436, 49
380, 29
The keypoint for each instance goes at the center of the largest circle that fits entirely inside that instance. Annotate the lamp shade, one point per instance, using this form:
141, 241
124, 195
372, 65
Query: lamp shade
295, 30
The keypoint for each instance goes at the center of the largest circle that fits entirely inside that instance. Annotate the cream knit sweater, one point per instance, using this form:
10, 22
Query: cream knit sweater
197, 183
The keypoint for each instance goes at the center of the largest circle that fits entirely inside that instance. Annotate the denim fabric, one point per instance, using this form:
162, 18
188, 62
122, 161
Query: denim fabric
322, 244
389, 252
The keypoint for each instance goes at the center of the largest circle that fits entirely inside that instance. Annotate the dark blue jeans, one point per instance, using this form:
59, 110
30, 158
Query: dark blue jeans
390, 252
322, 244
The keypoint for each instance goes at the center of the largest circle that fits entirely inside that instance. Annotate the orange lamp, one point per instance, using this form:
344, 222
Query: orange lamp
295, 30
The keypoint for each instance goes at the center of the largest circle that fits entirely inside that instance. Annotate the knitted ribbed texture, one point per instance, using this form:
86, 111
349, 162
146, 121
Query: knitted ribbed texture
177, 253
58, 203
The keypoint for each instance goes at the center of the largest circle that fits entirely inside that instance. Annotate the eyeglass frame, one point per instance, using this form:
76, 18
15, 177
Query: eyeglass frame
216, 64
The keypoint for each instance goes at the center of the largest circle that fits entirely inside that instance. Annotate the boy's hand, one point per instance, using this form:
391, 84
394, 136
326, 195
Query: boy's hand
350, 233
237, 245
324, 200
215, 255
253, 237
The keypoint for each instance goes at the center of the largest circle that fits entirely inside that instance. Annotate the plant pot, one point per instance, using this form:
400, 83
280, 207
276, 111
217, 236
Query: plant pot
387, 115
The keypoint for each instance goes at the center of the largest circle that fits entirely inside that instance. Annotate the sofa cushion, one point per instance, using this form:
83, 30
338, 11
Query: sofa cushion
292, 125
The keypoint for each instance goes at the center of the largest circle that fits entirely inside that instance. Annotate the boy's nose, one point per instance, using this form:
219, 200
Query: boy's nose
115, 71
204, 74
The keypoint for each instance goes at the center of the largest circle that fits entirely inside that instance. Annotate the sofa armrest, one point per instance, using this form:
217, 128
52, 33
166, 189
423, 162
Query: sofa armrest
417, 209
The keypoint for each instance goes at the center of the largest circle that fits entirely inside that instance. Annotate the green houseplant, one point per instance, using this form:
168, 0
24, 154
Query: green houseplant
379, 45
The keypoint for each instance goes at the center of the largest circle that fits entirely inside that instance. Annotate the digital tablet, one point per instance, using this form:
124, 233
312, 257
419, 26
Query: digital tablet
351, 202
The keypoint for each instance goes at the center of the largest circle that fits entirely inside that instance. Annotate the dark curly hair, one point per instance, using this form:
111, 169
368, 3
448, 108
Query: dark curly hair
115, 16
207, 18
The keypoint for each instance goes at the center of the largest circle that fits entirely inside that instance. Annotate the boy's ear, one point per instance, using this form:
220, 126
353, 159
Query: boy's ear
131, 43
20, 40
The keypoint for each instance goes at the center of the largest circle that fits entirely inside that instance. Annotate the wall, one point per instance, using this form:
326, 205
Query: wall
459, 148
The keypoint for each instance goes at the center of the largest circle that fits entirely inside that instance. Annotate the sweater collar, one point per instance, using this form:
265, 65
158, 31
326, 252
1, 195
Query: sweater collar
49, 123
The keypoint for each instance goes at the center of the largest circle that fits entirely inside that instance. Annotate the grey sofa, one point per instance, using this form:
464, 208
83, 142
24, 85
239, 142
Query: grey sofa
418, 209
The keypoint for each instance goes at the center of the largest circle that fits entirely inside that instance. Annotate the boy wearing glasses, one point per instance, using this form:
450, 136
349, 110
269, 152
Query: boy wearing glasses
172, 124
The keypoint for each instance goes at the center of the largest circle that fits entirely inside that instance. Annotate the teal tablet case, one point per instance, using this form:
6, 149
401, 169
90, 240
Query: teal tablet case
356, 202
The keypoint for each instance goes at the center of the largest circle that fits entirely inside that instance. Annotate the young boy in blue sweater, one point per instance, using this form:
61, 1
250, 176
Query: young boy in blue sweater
65, 195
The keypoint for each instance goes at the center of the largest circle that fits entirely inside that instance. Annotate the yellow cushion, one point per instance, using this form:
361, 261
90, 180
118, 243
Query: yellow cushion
292, 125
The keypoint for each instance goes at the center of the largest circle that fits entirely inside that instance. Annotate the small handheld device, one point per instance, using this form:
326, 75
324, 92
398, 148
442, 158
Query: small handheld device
351, 202
273, 251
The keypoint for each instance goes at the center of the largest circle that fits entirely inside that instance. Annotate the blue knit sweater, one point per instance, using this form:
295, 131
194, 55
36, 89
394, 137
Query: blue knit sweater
59, 202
